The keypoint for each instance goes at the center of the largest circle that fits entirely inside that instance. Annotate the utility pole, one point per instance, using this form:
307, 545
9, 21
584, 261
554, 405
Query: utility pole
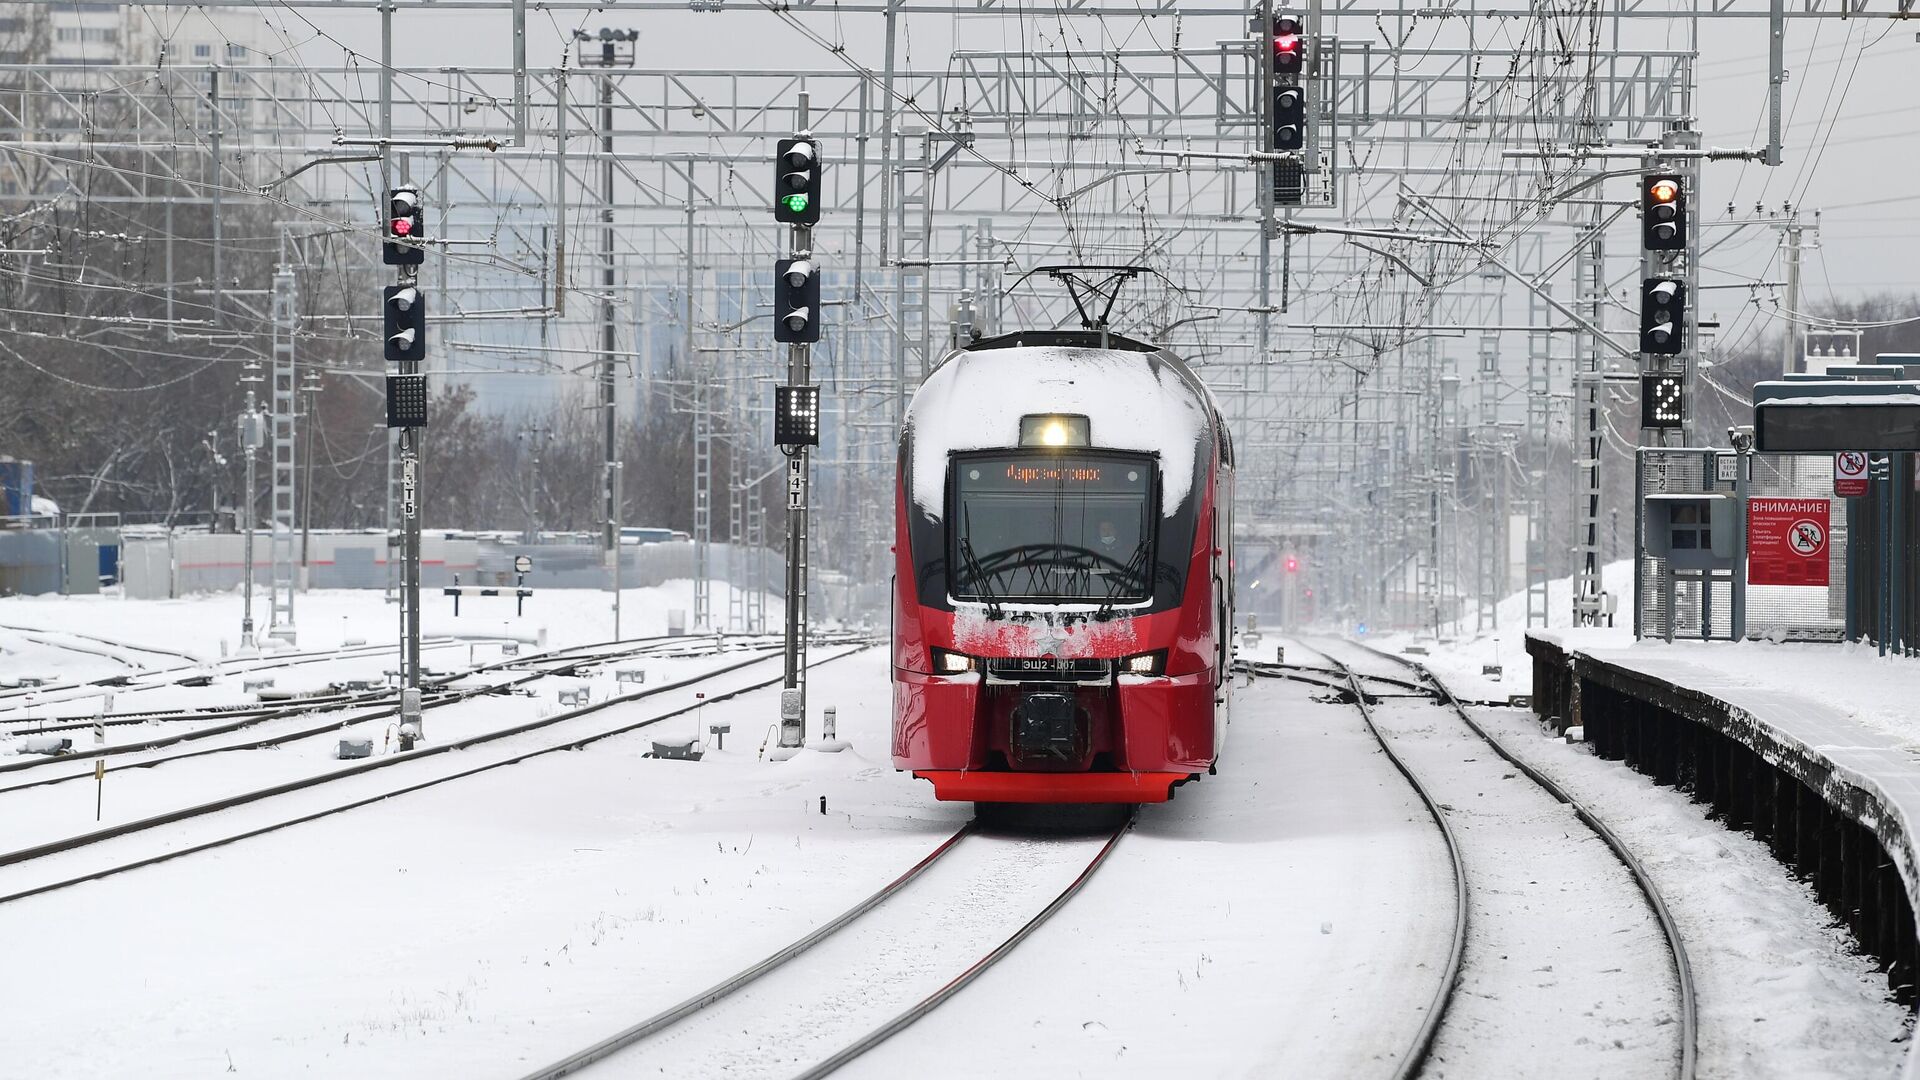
1791, 349
533, 437
283, 466
309, 390
607, 50
251, 436
796, 322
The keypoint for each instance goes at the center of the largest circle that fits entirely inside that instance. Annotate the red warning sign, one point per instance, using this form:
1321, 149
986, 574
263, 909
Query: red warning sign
1787, 541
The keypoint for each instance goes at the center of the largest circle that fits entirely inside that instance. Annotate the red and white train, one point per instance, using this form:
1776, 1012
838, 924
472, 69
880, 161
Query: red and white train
1063, 585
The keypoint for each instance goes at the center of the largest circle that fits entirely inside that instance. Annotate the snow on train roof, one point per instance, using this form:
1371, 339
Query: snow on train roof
1133, 400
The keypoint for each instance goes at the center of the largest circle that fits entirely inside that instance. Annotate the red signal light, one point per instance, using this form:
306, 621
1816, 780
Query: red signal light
1292, 564
1286, 43
403, 226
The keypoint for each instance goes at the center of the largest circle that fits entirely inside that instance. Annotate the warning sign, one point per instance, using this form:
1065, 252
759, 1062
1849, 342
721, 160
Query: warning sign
1787, 541
1849, 474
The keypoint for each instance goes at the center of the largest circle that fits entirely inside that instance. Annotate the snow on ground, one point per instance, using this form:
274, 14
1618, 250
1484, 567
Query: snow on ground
1850, 678
1783, 993
474, 929
1566, 973
133, 789
1272, 921
1467, 650
207, 625
1286, 918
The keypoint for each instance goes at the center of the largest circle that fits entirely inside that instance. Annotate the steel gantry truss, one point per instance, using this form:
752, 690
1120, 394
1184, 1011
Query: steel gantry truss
1458, 158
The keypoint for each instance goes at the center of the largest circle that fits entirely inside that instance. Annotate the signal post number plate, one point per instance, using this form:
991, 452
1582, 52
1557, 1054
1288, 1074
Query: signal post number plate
796, 485
409, 488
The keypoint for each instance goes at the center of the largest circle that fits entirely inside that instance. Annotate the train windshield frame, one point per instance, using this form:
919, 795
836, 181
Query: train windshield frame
1049, 526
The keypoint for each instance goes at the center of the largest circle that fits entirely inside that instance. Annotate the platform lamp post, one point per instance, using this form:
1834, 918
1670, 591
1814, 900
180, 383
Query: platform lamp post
608, 49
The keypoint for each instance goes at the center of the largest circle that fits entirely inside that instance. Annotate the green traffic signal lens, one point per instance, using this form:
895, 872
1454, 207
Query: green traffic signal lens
795, 203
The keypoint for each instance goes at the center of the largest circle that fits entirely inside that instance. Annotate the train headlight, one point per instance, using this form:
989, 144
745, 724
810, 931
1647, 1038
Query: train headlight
946, 662
1055, 430
1146, 663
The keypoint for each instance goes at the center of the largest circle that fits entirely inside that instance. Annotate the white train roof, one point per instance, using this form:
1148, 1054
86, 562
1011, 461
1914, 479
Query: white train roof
1135, 397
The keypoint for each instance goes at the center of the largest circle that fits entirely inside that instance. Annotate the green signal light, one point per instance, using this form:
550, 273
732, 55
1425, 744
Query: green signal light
794, 203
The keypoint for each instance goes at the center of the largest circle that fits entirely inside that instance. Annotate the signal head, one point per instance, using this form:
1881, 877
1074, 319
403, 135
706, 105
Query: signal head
1663, 213
1289, 47
796, 196
404, 222
798, 271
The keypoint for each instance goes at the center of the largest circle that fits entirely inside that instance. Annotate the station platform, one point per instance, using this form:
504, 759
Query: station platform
1813, 748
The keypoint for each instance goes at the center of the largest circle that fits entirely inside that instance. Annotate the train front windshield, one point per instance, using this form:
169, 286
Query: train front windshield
1074, 527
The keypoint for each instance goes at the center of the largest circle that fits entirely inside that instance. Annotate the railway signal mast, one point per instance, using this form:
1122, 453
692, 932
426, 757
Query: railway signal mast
404, 320
1290, 87
796, 324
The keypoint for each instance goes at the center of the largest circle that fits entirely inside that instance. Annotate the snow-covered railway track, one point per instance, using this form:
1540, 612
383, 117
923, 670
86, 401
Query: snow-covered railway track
88, 856
1513, 932
1413, 1056
24, 698
95, 645
209, 724
861, 978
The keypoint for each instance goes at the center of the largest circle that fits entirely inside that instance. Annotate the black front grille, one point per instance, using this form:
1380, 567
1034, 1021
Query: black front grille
1049, 669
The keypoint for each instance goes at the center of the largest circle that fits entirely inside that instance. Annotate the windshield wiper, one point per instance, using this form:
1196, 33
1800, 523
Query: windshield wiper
981, 586
1136, 565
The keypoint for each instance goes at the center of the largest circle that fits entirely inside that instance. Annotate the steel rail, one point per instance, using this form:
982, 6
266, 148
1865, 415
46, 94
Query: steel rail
979, 967
383, 703
110, 832
1676, 947
72, 843
173, 654
666, 1018
669, 1017
1414, 1057
134, 682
